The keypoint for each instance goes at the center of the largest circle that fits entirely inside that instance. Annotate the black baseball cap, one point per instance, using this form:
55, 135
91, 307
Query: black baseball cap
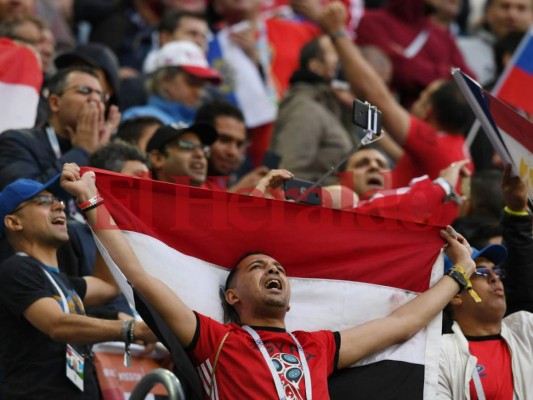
166, 133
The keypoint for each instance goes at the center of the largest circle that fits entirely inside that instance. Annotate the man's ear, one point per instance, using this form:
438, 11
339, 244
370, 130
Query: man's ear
429, 112
232, 297
53, 103
12, 223
315, 65
156, 159
457, 300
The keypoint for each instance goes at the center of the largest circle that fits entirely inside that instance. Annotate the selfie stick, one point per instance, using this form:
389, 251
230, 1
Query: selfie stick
370, 137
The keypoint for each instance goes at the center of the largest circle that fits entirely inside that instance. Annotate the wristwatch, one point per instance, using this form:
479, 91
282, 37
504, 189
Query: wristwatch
457, 277
451, 195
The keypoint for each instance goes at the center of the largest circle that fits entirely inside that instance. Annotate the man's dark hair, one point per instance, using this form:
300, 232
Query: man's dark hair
486, 196
371, 146
58, 82
114, 155
451, 109
311, 50
506, 46
478, 230
171, 20
230, 315
130, 130
208, 112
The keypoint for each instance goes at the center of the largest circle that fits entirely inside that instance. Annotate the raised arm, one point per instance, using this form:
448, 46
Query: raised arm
176, 314
364, 80
517, 224
404, 322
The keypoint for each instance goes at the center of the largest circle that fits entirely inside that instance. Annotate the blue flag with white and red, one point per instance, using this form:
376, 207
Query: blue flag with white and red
516, 82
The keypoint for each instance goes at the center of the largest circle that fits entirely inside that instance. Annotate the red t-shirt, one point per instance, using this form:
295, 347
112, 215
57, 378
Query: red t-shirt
242, 372
427, 152
494, 367
393, 28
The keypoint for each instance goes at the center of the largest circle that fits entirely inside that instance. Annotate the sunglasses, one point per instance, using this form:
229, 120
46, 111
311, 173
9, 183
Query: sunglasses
485, 272
189, 146
87, 91
40, 200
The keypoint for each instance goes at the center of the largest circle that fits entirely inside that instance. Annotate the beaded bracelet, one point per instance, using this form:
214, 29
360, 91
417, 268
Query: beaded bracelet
128, 335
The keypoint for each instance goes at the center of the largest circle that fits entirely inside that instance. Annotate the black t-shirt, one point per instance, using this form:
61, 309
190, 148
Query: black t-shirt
33, 364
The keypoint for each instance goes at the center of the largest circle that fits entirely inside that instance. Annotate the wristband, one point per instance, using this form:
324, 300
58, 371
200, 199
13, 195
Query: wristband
340, 33
93, 202
458, 274
515, 213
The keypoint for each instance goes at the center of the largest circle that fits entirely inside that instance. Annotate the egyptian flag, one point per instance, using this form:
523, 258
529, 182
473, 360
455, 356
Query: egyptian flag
516, 83
346, 268
20, 82
510, 133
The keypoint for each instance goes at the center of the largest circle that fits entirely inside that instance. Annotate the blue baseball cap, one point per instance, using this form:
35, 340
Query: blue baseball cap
495, 253
24, 189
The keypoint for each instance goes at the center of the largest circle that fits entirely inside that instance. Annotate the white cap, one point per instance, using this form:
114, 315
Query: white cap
186, 55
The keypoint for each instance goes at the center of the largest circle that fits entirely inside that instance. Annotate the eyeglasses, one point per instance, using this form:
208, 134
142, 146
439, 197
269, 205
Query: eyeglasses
194, 80
485, 272
190, 146
87, 91
40, 200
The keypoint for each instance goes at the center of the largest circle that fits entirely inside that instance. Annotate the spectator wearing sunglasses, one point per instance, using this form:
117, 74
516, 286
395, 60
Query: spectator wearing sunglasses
178, 153
488, 355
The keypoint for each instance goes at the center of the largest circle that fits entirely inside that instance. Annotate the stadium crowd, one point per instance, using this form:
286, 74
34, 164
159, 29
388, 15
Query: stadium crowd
243, 96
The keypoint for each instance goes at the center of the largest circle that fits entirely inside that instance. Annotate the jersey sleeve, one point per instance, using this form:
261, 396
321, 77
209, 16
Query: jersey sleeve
209, 333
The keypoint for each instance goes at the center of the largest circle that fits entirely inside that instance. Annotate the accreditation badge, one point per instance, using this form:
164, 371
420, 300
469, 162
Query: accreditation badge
75, 367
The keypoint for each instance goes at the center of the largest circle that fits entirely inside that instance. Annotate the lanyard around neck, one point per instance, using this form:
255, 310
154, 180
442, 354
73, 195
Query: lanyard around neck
279, 386
54, 283
54, 143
